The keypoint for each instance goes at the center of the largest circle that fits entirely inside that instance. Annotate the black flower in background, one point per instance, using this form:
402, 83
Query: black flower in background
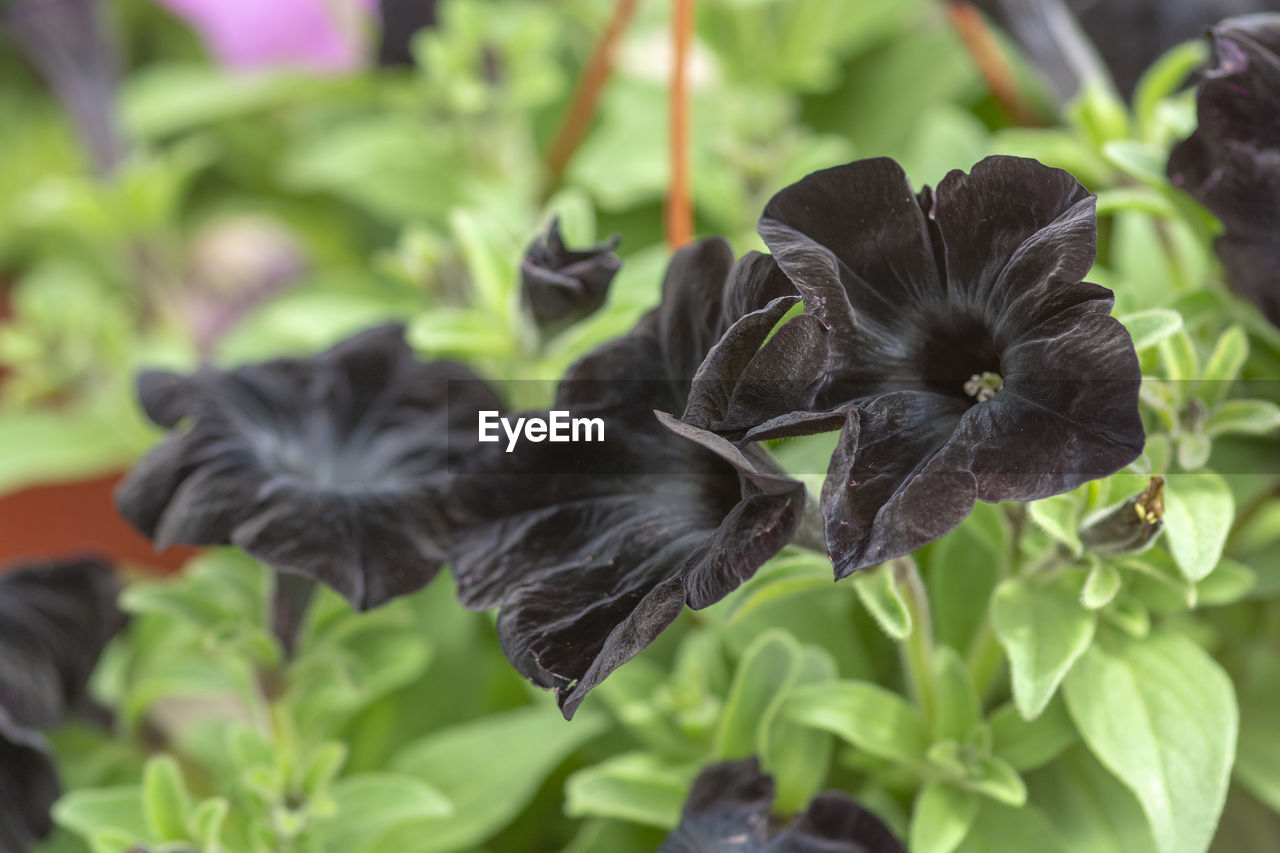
28, 786
336, 468
560, 286
1127, 35
592, 549
967, 359
67, 42
728, 812
55, 620
1231, 164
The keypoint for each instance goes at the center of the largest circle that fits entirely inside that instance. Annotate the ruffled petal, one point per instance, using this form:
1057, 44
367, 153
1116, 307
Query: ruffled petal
729, 810
855, 242
28, 787
1012, 231
886, 494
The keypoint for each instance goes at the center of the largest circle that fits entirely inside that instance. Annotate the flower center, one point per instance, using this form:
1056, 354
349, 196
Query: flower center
983, 386
956, 356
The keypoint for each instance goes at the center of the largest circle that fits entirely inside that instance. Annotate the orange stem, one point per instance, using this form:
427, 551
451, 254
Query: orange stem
679, 219
586, 97
992, 65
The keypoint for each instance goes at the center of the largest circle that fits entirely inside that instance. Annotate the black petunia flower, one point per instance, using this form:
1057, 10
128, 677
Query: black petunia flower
592, 549
967, 359
55, 620
728, 812
335, 468
560, 286
1231, 164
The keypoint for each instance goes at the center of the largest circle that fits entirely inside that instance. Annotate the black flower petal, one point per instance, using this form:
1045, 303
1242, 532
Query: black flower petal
1231, 164
55, 620
560, 286
28, 786
967, 360
592, 549
336, 468
728, 812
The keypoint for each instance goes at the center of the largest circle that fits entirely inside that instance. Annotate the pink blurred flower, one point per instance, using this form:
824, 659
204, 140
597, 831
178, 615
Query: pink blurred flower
319, 35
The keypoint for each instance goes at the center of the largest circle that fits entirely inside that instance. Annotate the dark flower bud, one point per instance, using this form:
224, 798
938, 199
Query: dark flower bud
1129, 528
729, 810
1231, 164
560, 286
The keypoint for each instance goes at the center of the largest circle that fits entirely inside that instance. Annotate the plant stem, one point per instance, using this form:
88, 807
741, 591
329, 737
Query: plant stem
991, 63
917, 648
586, 97
986, 656
679, 212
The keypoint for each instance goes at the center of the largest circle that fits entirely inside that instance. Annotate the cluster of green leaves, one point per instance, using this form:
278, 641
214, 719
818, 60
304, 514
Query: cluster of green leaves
361, 741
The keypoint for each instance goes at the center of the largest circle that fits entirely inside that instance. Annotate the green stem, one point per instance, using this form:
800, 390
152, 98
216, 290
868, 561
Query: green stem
986, 657
917, 648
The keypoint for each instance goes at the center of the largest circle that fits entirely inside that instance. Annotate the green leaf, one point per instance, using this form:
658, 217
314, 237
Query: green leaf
1224, 365
1089, 807
998, 781
371, 804
1258, 765
1178, 354
1137, 160
1226, 584
322, 767
639, 787
1043, 629
871, 718
1162, 80
998, 828
766, 668
797, 756
959, 708
1243, 417
783, 577
390, 165
1028, 744
1060, 518
165, 798
1101, 586
1199, 509
879, 594
1161, 715
1194, 449
941, 818
511, 752
1148, 328
91, 811
207, 820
